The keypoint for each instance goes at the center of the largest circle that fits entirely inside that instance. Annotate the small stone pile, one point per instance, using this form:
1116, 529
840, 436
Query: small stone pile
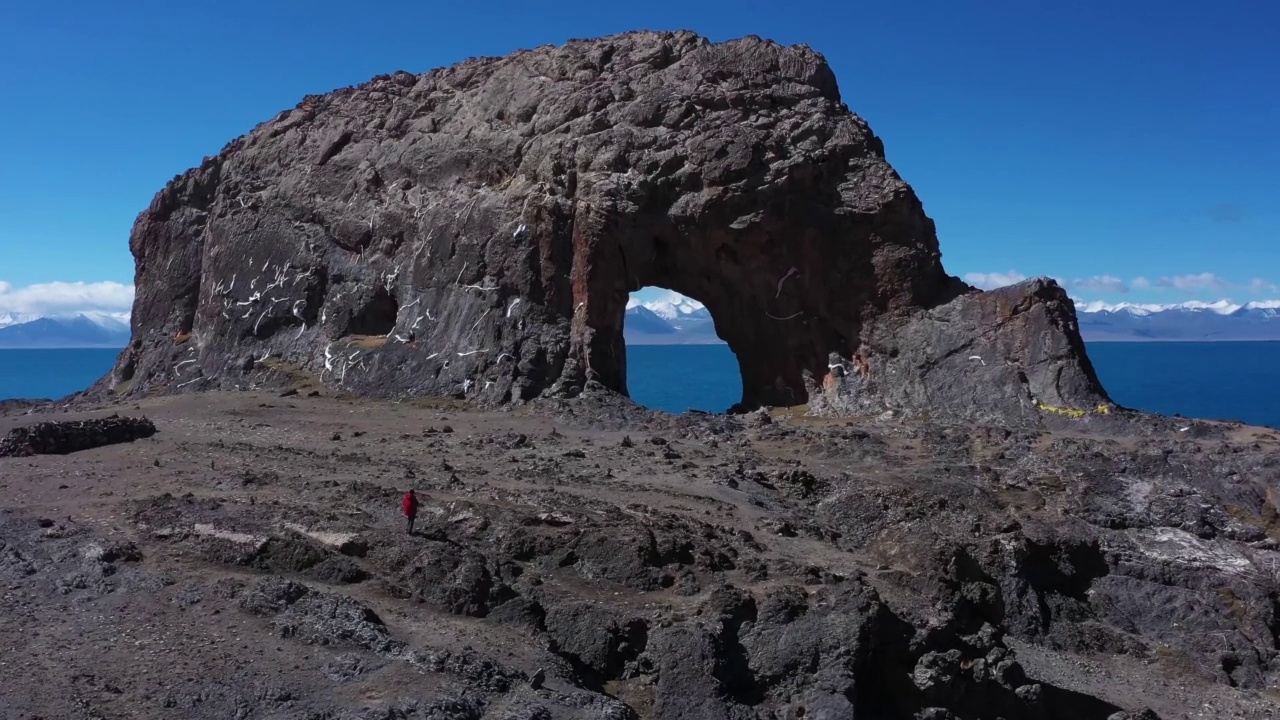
60, 438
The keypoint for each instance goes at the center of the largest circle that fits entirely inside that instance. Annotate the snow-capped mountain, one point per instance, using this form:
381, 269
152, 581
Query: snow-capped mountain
640, 320
675, 309
674, 320
11, 318
81, 330
1193, 321
1221, 307
115, 321
677, 320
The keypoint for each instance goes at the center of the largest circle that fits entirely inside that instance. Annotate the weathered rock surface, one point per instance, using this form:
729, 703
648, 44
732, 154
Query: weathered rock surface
247, 562
16, 406
475, 231
60, 438
1006, 355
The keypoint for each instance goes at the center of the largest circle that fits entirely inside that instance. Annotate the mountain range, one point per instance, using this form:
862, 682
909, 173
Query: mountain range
681, 321
1187, 322
677, 320
81, 330
674, 321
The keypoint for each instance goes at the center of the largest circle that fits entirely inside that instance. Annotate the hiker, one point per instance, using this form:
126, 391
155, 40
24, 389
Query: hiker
410, 504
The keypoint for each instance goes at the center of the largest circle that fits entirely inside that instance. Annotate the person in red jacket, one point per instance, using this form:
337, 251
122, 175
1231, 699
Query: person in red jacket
410, 504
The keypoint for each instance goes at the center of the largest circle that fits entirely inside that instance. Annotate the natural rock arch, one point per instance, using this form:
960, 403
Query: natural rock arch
502, 209
781, 300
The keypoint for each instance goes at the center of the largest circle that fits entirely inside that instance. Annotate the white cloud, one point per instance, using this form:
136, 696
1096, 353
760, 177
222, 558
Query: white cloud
66, 298
1193, 283
993, 280
1141, 283
1258, 286
1100, 283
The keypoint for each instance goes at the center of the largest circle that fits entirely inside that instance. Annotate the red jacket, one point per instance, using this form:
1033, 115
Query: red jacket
410, 504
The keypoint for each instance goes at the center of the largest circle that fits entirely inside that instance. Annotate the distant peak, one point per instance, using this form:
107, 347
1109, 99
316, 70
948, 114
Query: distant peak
108, 320
670, 306
1220, 307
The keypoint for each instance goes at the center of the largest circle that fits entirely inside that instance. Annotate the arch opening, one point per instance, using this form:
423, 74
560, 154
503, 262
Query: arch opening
777, 336
675, 361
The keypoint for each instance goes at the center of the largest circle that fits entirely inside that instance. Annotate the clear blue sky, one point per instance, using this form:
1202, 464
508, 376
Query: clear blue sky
1082, 140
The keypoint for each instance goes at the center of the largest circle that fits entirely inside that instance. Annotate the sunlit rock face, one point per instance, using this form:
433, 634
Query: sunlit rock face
475, 231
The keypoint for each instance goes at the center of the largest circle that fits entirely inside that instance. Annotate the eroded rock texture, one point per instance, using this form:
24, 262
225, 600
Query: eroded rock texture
61, 438
251, 562
476, 231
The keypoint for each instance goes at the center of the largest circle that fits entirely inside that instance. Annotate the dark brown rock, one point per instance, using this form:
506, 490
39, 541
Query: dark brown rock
61, 438
475, 232
1010, 353
932, 570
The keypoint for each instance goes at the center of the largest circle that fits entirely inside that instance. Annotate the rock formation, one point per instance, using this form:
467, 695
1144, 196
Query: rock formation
61, 438
475, 231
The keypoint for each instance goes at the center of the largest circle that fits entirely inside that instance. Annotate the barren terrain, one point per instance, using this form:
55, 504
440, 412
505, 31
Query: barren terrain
592, 559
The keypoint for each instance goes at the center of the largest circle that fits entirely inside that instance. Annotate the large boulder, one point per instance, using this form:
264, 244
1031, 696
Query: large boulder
476, 230
1000, 356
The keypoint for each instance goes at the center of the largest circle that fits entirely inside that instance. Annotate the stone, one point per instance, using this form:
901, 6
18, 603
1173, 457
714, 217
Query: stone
61, 438
319, 618
1009, 354
474, 232
594, 638
1144, 714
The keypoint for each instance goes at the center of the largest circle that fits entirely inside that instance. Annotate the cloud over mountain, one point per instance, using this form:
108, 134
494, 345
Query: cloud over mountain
673, 319
66, 299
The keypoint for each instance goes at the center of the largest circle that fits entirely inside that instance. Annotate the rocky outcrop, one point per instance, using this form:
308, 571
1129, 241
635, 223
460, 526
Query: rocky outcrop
60, 438
21, 406
475, 231
1012, 353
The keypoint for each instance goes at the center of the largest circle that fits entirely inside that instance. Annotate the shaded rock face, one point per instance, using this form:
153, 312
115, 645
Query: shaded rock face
476, 230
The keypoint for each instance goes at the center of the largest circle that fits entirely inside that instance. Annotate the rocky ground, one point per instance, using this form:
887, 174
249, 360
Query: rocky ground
589, 559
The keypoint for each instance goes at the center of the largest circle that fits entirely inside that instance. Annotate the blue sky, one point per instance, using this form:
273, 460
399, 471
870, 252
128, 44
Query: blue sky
1128, 149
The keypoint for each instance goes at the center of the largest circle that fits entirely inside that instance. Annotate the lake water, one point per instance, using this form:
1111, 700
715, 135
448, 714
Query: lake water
51, 373
1223, 381
1218, 381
